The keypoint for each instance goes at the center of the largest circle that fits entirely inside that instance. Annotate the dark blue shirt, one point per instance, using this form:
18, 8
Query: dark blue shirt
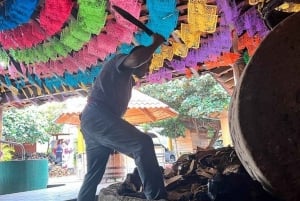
112, 88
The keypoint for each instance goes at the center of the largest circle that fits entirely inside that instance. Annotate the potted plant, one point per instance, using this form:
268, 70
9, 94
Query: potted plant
6, 152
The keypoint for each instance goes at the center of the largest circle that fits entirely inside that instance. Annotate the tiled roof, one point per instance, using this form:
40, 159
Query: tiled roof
142, 109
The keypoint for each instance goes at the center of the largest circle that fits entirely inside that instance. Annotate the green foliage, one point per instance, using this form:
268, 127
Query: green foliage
195, 97
31, 124
146, 127
210, 132
171, 127
50, 112
6, 152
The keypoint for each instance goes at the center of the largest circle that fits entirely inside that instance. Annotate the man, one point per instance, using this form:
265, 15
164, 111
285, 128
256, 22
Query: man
104, 129
58, 153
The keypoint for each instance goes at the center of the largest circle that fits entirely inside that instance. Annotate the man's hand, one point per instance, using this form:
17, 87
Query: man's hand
144, 53
158, 39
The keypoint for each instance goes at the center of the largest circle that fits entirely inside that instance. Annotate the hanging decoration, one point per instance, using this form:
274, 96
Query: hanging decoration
15, 13
214, 49
93, 51
91, 19
61, 50
163, 20
223, 60
191, 39
161, 76
202, 18
51, 19
289, 7
248, 42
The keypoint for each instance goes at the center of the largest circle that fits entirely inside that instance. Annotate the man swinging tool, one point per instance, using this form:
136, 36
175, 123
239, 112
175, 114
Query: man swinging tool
104, 129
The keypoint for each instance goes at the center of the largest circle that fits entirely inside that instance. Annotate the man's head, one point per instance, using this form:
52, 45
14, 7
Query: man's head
144, 68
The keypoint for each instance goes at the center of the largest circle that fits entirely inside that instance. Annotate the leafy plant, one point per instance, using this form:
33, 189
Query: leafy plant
6, 152
194, 98
31, 124
172, 127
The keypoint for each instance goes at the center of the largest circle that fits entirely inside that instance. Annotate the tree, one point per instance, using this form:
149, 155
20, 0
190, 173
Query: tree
31, 124
51, 111
172, 127
194, 98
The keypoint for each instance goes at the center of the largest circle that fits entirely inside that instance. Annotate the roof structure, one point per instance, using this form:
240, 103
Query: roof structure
53, 50
141, 109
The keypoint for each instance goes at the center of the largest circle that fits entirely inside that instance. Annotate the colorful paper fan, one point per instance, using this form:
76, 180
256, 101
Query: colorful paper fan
16, 12
57, 45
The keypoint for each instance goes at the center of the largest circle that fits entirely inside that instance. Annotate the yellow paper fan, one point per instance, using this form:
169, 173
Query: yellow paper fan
180, 49
167, 52
191, 39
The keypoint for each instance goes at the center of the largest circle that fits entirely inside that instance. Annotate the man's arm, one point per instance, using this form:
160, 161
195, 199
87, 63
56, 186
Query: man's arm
143, 53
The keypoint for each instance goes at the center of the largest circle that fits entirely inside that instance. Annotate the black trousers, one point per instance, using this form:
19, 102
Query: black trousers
104, 132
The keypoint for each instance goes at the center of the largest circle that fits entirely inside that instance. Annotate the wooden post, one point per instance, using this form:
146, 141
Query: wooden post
170, 144
235, 67
238, 68
225, 129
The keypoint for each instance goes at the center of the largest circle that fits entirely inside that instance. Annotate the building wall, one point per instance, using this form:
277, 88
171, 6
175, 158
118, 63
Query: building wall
190, 142
29, 148
199, 140
225, 129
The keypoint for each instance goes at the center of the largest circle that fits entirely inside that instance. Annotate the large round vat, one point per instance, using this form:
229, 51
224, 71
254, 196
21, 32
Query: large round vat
23, 175
265, 112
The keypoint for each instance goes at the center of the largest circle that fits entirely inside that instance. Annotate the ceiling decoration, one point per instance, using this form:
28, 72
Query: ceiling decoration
14, 13
54, 49
51, 19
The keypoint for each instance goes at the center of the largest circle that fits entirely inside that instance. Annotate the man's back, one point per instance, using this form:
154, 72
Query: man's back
112, 87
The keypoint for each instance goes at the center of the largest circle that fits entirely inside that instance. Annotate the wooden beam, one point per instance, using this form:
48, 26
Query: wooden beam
148, 114
236, 72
